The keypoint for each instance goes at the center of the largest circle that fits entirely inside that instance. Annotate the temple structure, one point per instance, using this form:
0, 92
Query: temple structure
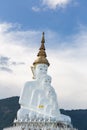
38, 100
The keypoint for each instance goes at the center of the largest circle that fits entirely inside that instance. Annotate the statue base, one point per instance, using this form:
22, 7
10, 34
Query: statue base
40, 125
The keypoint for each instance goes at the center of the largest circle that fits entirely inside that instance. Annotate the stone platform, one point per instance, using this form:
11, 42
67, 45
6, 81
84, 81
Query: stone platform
41, 125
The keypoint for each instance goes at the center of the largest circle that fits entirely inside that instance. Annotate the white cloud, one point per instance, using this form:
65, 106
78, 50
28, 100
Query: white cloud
36, 9
53, 4
70, 71
68, 63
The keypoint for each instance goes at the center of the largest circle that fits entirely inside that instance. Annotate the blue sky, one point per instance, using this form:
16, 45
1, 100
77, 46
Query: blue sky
65, 20
65, 25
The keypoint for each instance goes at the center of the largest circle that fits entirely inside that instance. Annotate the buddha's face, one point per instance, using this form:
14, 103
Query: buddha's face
46, 81
40, 70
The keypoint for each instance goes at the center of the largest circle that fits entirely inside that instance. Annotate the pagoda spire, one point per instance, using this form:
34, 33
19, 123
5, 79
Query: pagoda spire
42, 41
42, 47
41, 56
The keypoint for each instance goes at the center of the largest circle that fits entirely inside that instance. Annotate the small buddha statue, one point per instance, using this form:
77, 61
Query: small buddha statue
50, 100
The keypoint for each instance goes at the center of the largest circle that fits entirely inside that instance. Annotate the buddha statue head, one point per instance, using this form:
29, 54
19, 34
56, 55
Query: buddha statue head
40, 70
40, 65
46, 81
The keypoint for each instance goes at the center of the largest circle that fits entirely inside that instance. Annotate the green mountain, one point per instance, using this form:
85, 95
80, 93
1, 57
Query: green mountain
9, 107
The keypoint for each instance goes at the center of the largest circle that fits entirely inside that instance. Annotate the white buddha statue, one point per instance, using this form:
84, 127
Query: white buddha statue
50, 95
32, 92
38, 98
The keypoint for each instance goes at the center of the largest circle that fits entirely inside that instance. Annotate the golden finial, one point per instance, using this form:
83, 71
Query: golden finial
43, 39
42, 54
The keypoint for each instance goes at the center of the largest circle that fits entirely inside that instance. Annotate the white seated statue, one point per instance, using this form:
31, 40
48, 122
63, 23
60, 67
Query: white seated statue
38, 98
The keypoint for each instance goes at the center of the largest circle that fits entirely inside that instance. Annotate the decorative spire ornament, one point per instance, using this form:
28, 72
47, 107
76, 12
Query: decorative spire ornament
41, 56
